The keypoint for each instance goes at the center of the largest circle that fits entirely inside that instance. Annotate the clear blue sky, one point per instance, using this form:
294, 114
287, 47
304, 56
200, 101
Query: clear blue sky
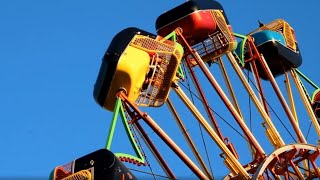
50, 55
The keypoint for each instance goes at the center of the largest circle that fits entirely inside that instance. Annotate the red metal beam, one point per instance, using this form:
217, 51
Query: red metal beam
204, 100
279, 94
157, 129
259, 151
149, 142
263, 99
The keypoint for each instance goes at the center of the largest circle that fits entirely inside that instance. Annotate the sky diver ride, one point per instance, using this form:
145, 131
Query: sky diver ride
139, 69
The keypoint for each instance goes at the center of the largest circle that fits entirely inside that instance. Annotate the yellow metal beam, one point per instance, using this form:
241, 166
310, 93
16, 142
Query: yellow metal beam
229, 86
306, 103
232, 94
277, 141
188, 138
242, 172
289, 91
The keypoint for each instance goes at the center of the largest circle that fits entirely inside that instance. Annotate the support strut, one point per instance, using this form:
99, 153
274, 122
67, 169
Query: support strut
257, 77
188, 138
204, 100
278, 141
157, 129
155, 151
223, 97
306, 103
278, 92
283, 101
211, 132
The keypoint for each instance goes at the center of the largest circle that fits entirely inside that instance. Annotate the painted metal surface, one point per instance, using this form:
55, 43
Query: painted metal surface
140, 69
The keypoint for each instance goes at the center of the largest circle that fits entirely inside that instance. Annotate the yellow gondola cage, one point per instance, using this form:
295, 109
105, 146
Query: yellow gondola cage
140, 64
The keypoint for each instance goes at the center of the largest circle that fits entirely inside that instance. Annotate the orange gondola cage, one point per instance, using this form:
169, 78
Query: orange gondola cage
142, 65
204, 25
101, 164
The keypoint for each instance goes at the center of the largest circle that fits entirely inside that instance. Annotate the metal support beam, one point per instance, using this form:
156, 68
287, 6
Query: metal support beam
188, 138
154, 150
282, 100
243, 173
290, 95
204, 99
257, 78
223, 97
305, 100
229, 86
157, 129
275, 134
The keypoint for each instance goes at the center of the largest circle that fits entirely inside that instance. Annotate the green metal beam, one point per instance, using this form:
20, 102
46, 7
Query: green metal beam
306, 78
242, 46
119, 109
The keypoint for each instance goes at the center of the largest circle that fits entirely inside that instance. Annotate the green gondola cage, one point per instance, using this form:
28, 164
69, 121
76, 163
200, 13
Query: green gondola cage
204, 25
141, 64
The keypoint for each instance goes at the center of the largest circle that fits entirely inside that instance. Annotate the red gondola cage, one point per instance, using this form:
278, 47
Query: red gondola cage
316, 103
204, 26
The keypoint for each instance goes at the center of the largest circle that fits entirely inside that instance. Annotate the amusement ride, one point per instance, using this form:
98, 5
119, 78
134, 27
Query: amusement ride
200, 71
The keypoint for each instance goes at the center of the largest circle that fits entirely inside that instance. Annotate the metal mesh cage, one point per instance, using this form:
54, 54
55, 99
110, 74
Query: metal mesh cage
81, 175
217, 43
284, 28
164, 61
151, 45
63, 171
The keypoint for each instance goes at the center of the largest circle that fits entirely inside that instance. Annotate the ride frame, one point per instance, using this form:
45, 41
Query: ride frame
231, 158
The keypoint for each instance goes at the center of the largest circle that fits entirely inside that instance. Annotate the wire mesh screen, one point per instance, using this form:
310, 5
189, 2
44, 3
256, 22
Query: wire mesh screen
164, 61
65, 172
81, 175
284, 28
217, 43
